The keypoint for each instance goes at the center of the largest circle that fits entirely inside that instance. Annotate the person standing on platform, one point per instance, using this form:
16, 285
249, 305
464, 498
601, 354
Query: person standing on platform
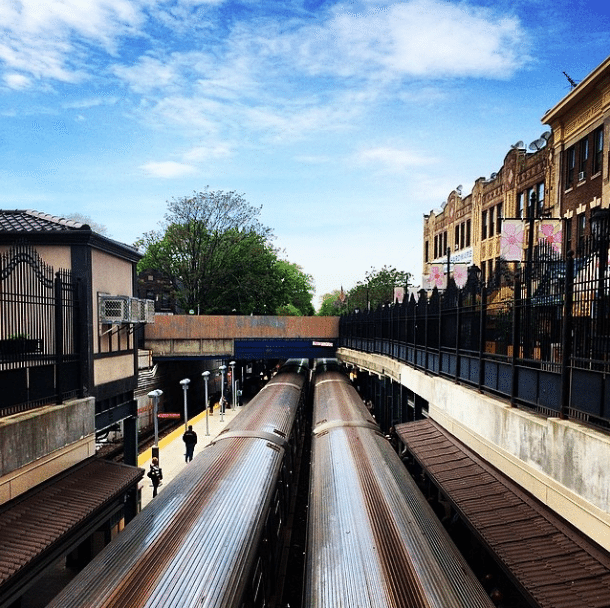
156, 474
190, 440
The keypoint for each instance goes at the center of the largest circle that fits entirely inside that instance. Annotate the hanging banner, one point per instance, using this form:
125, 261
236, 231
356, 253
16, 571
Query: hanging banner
551, 232
437, 278
460, 274
511, 240
399, 294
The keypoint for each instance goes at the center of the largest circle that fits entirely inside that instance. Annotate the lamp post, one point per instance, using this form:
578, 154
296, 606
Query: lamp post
206, 376
185, 386
154, 395
232, 366
223, 369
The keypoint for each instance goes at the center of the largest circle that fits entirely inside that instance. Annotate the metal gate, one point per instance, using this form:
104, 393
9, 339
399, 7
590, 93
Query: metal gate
39, 338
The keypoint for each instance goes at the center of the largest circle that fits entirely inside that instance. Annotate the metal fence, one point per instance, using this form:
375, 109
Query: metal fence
537, 335
39, 338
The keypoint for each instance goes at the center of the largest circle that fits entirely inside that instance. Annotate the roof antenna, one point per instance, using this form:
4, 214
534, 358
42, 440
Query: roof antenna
572, 83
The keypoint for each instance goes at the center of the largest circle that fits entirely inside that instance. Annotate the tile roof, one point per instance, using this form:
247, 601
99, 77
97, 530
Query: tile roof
552, 562
34, 221
50, 514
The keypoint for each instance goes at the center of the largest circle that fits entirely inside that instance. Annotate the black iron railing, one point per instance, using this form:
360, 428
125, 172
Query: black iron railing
538, 335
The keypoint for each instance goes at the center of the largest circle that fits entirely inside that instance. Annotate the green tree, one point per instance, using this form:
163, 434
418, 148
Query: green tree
85, 219
220, 260
296, 290
201, 241
377, 288
333, 303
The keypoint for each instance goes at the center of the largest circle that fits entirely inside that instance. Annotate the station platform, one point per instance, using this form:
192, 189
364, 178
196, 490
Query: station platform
172, 449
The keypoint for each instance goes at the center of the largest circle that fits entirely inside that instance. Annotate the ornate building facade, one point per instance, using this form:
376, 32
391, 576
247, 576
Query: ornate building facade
564, 175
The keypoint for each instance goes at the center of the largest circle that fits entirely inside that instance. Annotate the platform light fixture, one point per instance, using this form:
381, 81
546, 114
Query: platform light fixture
185, 386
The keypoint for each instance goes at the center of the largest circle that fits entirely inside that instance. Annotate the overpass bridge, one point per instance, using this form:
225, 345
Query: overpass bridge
184, 337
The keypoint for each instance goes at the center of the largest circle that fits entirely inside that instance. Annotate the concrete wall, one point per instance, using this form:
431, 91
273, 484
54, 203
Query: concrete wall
561, 462
38, 444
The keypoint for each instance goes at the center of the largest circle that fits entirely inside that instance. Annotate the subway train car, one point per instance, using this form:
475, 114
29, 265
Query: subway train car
372, 539
213, 538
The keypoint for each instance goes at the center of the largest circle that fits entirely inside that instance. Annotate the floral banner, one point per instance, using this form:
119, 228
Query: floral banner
436, 277
511, 240
551, 232
460, 274
399, 294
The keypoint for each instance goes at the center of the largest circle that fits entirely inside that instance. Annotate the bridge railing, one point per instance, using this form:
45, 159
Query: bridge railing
538, 336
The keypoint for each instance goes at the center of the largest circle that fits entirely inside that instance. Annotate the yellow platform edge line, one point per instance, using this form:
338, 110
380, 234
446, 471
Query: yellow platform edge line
145, 456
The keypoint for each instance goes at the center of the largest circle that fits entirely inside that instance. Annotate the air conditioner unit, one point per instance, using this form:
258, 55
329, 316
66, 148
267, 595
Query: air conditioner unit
114, 309
582, 175
149, 315
142, 311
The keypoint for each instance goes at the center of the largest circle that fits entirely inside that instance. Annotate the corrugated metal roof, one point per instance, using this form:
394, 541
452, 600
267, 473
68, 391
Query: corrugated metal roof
554, 564
34, 221
39, 520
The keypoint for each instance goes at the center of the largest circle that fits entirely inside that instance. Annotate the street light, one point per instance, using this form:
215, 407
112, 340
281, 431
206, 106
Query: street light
185, 386
223, 369
232, 366
206, 376
154, 395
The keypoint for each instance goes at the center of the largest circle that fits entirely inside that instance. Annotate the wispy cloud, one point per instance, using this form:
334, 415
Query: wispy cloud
392, 159
44, 39
168, 169
17, 81
203, 153
284, 80
418, 38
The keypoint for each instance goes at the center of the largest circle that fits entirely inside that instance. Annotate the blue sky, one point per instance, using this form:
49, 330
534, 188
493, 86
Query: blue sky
346, 121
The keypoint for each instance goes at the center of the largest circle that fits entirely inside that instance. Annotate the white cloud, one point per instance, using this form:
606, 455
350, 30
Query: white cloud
168, 169
43, 38
393, 159
148, 74
418, 38
17, 81
203, 153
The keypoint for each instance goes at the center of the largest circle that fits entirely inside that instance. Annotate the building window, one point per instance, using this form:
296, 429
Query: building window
583, 158
492, 223
570, 166
598, 149
457, 237
540, 197
484, 226
426, 252
499, 218
520, 204
462, 235
531, 210
581, 222
468, 227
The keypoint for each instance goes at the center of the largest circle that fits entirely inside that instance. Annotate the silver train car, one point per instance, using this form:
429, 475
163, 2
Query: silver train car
372, 539
214, 537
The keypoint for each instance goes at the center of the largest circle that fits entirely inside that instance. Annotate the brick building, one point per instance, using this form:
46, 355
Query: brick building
580, 153
564, 175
